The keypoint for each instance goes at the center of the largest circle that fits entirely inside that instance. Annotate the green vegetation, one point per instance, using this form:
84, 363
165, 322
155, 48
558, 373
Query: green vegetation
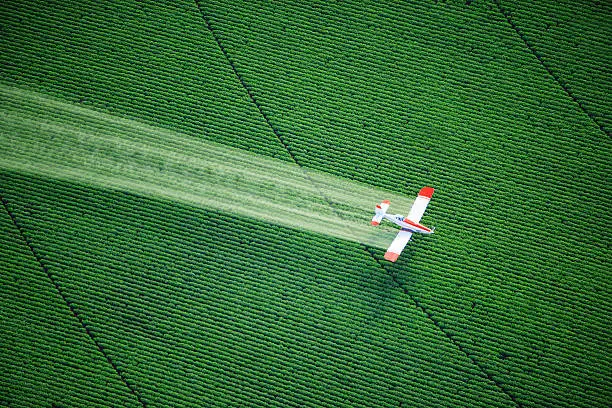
196, 307
572, 39
153, 61
450, 95
167, 302
45, 355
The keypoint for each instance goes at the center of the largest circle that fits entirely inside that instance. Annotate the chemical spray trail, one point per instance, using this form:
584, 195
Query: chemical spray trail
46, 137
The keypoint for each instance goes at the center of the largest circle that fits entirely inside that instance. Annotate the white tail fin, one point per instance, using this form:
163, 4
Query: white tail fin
380, 211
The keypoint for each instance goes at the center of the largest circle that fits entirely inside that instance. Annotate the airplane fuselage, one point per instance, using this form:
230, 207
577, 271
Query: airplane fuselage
407, 224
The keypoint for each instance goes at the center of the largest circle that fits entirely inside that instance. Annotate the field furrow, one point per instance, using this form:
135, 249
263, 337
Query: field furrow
46, 357
186, 306
449, 95
179, 168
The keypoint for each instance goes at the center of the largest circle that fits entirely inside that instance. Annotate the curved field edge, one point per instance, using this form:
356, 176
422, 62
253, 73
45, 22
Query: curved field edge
46, 357
478, 155
231, 310
572, 40
450, 96
116, 58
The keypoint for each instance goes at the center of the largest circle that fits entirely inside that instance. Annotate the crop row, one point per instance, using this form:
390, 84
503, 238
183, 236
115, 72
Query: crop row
106, 62
398, 98
46, 358
570, 38
510, 155
149, 276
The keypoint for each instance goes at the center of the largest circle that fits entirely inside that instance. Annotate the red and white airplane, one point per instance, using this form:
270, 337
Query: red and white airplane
409, 224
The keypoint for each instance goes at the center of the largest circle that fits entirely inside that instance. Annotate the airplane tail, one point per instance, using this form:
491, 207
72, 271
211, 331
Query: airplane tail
380, 211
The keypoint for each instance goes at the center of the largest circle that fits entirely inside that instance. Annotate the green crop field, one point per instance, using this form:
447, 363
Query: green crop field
186, 187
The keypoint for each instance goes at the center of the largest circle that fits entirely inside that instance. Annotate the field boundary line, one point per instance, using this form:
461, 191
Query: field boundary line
437, 324
243, 83
70, 305
365, 248
508, 15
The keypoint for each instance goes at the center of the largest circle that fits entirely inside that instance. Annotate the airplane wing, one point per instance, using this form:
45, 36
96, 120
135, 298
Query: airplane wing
415, 214
397, 246
420, 204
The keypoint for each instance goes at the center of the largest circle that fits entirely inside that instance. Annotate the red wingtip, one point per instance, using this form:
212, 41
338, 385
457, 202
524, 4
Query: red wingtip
375, 223
386, 202
391, 256
426, 192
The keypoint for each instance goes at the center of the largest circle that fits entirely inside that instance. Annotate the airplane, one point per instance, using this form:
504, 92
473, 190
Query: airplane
408, 224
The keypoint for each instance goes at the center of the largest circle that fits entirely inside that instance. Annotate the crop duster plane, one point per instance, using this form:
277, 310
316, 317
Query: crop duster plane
408, 224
